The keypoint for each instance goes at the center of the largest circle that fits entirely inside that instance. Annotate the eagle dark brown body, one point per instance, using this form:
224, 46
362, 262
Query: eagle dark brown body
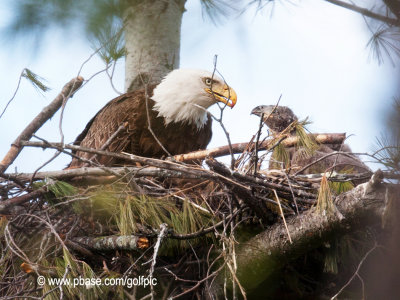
130, 108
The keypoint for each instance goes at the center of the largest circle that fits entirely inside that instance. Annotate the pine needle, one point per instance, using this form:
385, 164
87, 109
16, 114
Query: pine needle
385, 43
331, 258
280, 156
36, 80
324, 202
60, 188
305, 141
306, 146
57, 190
340, 187
109, 40
214, 9
70, 268
283, 216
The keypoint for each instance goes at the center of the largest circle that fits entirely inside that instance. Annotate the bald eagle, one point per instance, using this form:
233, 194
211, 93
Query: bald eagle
176, 109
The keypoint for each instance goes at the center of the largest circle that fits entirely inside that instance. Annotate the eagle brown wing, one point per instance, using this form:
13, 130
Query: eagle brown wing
137, 139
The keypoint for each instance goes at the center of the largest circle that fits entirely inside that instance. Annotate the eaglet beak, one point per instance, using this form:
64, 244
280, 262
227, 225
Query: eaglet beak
224, 94
263, 109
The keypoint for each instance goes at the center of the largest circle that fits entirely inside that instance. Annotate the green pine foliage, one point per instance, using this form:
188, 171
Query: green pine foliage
61, 189
340, 187
57, 190
108, 40
152, 212
388, 145
306, 145
33, 18
69, 268
35, 80
305, 141
118, 206
279, 156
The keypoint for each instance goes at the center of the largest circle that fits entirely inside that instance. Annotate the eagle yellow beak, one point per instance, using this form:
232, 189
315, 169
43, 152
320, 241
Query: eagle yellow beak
224, 94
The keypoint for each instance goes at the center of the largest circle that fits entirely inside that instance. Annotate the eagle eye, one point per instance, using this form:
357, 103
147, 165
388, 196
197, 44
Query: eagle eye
208, 81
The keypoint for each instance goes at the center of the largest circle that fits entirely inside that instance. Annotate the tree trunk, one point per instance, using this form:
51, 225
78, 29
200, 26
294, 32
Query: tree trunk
152, 41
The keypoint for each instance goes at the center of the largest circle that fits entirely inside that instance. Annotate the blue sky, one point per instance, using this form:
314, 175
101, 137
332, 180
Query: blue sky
313, 53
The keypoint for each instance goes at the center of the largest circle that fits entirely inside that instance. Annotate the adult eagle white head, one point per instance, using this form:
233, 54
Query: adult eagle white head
175, 110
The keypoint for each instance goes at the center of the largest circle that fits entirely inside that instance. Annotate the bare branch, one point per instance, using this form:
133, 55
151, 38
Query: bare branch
162, 234
188, 169
347, 154
103, 171
322, 138
114, 242
6, 205
15, 93
68, 90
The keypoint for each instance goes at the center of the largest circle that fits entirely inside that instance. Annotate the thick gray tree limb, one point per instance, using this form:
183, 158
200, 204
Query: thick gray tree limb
265, 253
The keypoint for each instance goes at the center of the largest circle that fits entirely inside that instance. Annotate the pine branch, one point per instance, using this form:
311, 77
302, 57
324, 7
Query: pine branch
365, 12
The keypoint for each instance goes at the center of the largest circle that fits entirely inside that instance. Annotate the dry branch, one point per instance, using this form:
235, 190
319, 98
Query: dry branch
334, 138
234, 197
97, 171
83, 172
256, 259
114, 242
220, 168
34, 268
254, 200
322, 138
123, 156
16, 147
187, 169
